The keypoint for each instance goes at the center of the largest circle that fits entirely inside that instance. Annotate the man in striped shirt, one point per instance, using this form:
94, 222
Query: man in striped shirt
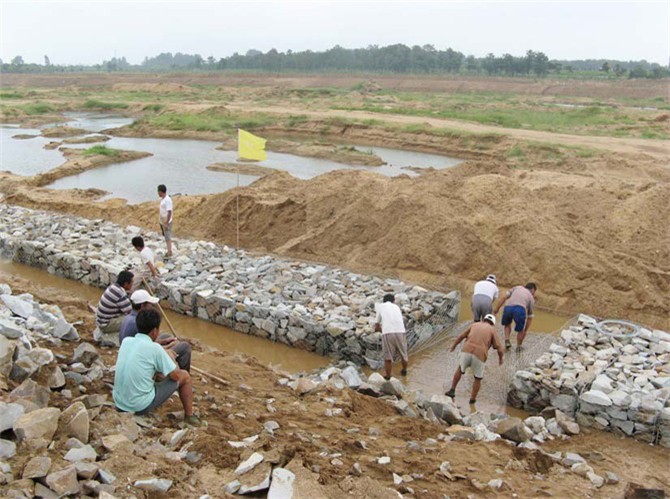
114, 304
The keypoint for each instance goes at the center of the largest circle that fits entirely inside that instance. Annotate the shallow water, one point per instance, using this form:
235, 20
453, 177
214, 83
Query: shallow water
180, 164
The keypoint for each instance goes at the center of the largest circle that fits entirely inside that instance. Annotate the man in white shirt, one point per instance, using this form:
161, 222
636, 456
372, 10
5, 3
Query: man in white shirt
165, 212
485, 293
148, 268
394, 337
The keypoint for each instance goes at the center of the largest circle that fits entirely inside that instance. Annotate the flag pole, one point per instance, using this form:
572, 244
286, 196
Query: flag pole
237, 191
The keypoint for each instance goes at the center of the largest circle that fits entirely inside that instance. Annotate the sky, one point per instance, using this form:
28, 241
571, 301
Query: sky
90, 31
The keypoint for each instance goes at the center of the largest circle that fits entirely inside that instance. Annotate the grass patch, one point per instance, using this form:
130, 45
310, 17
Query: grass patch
102, 150
209, 122
11, 95
104, 106
294, 120
516, 152
37, 108
153, 107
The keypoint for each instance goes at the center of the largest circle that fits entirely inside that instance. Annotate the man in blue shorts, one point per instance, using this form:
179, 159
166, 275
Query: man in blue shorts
519, 304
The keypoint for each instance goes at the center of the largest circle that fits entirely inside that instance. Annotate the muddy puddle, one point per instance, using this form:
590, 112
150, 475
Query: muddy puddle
179, 163
431, 368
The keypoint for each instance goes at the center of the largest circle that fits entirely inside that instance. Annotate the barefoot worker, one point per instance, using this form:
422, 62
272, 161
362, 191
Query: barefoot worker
519, 304
483, 296
479, 338
148, 269
178, 350
140, 359
165, 212
114, 304
394, 338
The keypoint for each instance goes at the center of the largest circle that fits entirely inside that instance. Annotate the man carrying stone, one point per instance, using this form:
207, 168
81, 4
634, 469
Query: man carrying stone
147, 270
519, 304
479, 338
485, 293
114, 304
165, 212
394, 337
178, 350
140, 359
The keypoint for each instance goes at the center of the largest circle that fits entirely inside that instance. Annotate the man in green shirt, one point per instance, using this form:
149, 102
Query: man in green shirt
140, 358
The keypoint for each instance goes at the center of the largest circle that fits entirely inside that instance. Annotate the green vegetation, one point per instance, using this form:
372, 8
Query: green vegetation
153, 107
102, 150
209, 122
294, 120
104, 106
516, 152
37, 108
11, 95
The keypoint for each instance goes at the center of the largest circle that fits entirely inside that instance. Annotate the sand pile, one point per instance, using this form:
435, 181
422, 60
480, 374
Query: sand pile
161, 88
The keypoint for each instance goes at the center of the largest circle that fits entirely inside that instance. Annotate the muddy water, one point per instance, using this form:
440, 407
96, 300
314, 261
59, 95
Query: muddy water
180, 164
430, 369
287, 358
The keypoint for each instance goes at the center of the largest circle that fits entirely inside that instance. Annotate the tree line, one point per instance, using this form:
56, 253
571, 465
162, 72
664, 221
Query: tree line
397, 58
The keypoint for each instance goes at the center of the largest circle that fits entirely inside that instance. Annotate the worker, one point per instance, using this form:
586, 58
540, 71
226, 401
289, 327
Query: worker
114, 304
394, 337
485, 293
479, 338
519, 305
147, 271
165, 217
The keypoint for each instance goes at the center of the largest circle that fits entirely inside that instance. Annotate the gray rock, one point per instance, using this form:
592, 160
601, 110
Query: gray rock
596, 397
64, 482
9, 413
10, 330
74, 422
85, 353
37, 467
350, 375
19, 307
154, 484
444, 408
86, 470
250, 463
513, 429
7, 349
41, 423
596, 480
281, 486
30, 395
611, 478
567, 425
106, 477
393, 387
7, 449
232, 487
85, 453
44, 492
261, 481
572, 458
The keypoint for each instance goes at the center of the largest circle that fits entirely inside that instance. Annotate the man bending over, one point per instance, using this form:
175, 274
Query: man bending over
139, 360
479, 337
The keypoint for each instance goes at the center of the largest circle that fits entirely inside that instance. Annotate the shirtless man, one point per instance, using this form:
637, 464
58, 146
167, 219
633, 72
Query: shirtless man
479, 337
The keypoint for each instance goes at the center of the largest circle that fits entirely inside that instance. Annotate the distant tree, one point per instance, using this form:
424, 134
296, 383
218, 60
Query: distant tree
637, 72
471, 63
47, 62
618, 70
17, 61
211, 61
605, 68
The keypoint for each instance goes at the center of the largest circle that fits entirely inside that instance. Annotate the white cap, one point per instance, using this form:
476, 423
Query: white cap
491, 318
491, 278
142, 296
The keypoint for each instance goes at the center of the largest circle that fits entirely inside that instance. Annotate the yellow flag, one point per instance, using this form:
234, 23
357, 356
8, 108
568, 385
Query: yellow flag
249, 146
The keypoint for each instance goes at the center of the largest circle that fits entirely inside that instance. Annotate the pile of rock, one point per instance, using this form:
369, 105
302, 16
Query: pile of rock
529, 433
310, 306
614, 382
57, 435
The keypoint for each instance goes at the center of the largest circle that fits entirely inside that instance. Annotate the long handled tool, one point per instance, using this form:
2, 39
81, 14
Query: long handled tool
199, 371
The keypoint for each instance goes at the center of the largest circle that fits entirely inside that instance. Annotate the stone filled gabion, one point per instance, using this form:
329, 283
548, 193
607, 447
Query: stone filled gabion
617, 384
315, 307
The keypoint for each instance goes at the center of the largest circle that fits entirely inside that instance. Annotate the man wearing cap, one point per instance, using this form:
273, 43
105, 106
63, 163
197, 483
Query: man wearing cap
519, 305
140, 359
178, 350
479, 338
485, 293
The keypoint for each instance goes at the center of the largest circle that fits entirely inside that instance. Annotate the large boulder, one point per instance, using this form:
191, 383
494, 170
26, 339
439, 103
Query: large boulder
105, 339
9, 329
74, 422
445, 409
596, 397
30, 395
514, 429
37, 467
19, 307
38, 424
30, 362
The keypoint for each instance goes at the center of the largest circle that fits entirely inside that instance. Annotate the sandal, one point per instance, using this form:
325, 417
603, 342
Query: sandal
451, 393
472, 401
508, 344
